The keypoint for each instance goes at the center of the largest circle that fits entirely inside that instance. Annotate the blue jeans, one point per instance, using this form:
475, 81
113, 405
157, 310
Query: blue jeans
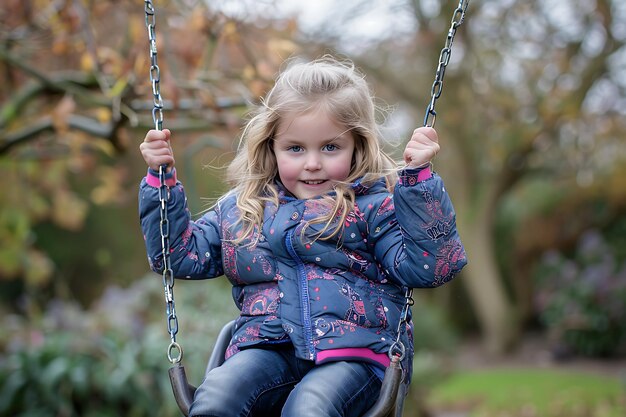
273, 382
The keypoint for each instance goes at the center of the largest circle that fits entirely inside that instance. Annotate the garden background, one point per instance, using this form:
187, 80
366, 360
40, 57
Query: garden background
533, 130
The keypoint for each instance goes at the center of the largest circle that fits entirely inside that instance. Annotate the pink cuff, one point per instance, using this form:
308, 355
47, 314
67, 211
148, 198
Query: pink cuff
424, 174
410, 177
152, 178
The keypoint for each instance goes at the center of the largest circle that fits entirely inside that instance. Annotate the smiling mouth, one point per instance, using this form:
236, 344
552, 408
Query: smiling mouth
314, 182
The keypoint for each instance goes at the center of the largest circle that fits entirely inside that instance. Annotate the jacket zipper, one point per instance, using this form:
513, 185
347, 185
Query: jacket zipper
304, 299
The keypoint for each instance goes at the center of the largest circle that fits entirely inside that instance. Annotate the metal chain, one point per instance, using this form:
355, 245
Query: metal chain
398, 348
174, 350
444, 58
155, 72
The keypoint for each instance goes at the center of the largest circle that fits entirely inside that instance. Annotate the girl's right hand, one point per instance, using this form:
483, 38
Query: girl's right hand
156, 149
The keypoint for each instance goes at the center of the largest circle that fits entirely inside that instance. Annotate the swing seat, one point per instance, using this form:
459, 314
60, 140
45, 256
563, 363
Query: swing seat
389, 403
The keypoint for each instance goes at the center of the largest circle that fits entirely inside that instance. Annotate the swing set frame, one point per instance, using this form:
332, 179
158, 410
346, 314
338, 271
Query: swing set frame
393, 390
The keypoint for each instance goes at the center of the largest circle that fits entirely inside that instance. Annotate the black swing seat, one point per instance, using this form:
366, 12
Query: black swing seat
389, 403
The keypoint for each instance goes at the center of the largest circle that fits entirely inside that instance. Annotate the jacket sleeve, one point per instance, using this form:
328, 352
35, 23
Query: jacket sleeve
414, 232
195, 246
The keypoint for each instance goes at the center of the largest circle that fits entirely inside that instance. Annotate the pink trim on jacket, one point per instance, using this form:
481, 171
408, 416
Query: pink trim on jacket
363, 354
153, 180
424, 174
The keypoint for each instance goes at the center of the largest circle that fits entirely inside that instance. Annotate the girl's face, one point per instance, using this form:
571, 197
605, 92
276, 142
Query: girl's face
313, 153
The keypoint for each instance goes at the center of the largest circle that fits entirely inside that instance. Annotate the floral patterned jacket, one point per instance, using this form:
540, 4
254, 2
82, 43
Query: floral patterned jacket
333, 299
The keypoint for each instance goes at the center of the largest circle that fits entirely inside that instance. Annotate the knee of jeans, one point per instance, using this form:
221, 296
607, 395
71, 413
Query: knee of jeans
211, 399
298, 408
339, 397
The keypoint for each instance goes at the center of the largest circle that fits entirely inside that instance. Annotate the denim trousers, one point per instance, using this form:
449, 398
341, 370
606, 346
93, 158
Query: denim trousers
273, 382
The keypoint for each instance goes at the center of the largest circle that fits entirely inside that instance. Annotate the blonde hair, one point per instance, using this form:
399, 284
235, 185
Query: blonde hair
341, 90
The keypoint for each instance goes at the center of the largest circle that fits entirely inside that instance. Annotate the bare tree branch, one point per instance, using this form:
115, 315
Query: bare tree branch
46, 124
64, 85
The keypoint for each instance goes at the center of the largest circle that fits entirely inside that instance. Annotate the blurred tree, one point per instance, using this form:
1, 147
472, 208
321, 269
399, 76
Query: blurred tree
540, 84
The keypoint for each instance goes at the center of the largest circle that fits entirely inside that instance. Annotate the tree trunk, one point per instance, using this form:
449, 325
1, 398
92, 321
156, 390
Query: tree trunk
495, 312
493, 309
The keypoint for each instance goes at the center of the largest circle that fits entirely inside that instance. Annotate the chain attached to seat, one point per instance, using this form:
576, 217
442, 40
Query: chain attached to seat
398, 348
174, 350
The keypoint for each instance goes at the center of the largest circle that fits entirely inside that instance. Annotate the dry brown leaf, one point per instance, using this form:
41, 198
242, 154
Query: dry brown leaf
68, 210
61, 113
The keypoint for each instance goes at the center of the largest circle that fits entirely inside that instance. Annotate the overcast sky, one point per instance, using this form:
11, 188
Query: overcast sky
378, 20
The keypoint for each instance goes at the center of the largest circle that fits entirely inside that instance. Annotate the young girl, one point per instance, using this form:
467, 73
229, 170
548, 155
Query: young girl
320, 236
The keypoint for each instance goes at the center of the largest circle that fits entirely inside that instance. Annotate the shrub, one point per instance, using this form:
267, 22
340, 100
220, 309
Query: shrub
582, 300
72, 362
109, 360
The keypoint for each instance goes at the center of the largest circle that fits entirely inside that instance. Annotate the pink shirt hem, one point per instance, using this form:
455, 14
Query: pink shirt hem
353, 354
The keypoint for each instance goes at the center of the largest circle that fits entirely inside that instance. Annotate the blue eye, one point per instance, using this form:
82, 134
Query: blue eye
295, 148
330, 147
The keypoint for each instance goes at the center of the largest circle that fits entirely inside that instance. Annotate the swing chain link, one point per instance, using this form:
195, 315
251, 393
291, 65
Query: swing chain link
174, 350
444, 58
155, 72
398, 348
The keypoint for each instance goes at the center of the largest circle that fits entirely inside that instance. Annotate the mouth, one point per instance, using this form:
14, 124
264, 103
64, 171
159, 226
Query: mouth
313, 182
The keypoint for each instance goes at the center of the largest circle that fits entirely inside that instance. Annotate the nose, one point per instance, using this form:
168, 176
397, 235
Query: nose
313, 162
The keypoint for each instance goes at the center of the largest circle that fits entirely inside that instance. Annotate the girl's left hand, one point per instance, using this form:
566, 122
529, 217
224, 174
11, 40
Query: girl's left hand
422, 147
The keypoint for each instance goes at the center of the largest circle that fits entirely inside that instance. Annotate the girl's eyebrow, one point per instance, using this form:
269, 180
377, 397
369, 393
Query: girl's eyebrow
297, 141
339, 136
288, 141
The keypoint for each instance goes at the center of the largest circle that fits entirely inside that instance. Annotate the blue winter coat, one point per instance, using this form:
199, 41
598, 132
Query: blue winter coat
333, 299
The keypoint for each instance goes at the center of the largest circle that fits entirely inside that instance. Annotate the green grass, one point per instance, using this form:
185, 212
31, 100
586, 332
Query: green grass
531, 393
